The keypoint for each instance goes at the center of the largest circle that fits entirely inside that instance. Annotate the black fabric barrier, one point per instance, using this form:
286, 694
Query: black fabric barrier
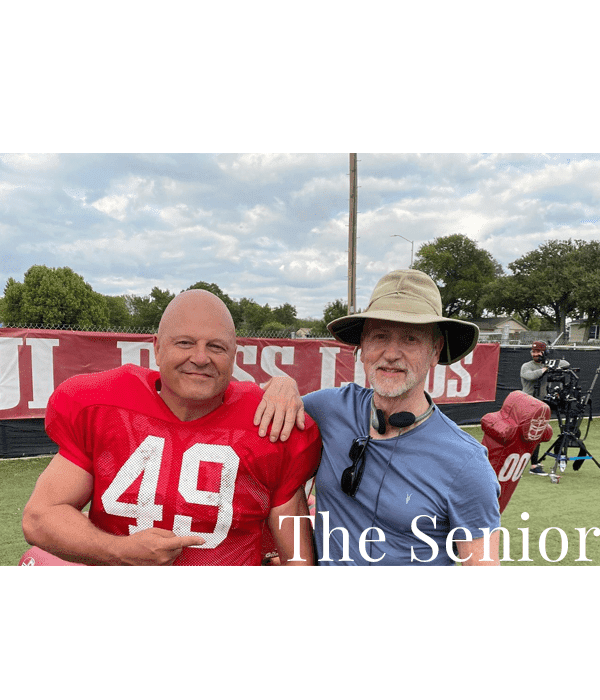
26, 437
509, 379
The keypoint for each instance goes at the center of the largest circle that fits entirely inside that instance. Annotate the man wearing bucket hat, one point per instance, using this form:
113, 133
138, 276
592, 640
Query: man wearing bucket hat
534, 383
398, 481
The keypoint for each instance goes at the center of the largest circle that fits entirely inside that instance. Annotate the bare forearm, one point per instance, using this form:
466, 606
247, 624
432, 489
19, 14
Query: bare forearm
53, 521
306, 550
475, 553
65, 532
292, 530
62, 530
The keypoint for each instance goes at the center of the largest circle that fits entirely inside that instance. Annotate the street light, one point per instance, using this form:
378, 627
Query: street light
412, 246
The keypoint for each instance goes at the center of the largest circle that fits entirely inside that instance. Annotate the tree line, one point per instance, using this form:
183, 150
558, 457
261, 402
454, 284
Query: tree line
558, 280
61, 297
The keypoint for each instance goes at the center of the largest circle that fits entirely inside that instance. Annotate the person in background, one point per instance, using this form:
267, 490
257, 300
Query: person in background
534, 383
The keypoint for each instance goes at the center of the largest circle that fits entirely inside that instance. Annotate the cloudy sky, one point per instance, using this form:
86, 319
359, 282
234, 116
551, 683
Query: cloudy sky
274, 227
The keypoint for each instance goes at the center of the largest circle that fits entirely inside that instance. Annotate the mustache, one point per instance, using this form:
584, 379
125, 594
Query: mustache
389, 365
202, 369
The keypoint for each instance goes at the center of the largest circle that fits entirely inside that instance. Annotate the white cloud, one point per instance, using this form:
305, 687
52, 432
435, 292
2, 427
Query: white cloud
274, 227
270, 167
30, 161
6, 188
114, 205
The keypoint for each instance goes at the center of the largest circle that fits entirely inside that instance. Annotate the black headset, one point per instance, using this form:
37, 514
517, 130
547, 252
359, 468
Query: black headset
397, 420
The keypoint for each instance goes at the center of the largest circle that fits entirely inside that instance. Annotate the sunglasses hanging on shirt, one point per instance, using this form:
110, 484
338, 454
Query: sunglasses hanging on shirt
352, 475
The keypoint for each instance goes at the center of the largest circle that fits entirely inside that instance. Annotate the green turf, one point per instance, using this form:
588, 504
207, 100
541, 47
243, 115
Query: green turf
573, 503
17, 479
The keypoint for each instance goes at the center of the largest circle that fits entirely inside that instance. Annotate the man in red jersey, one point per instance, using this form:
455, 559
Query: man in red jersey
171, 460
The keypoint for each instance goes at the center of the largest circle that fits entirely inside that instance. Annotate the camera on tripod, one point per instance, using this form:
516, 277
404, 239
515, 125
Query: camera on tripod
565, 397
562, 388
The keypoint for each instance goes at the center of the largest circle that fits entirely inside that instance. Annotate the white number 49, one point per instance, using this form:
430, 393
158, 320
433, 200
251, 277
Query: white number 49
146, 460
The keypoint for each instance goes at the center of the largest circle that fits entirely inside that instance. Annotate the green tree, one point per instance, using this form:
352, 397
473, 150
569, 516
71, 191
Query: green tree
334, 309
146, 311
545, 281
461, 270
506, 296
285, 314
53, 297
586, 294
274, 329
254, 316
118, 313
537, 323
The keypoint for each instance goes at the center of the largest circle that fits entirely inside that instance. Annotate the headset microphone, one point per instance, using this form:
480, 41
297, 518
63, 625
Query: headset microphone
397, 420
401, 420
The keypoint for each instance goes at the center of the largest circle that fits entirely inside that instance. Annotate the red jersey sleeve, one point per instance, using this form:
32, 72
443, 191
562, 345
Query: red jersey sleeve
64, 428
301, 454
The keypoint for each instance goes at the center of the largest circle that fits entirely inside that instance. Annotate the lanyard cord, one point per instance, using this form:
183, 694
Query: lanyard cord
379, 491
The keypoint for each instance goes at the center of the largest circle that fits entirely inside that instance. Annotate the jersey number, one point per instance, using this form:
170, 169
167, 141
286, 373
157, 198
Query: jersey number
146, 460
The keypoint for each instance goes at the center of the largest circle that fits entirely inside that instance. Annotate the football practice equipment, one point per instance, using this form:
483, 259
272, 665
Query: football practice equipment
511, 435
35, 556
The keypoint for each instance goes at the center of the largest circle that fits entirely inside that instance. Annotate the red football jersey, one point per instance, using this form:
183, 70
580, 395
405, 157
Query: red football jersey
213, 476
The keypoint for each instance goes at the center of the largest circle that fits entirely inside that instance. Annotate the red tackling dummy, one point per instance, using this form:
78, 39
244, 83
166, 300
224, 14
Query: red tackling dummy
511, 435
35, 556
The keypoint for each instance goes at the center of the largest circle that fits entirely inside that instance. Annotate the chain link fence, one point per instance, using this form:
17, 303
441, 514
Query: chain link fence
291, 333
87, 329
553, 338
518, 339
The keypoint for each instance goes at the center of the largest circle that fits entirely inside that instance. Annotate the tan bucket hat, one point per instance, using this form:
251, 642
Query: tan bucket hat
409, 296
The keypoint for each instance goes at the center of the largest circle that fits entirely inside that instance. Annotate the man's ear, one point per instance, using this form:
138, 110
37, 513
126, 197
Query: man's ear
156, 349
438, 347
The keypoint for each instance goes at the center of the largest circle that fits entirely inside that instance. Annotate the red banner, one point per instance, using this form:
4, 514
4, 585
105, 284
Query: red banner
34, 362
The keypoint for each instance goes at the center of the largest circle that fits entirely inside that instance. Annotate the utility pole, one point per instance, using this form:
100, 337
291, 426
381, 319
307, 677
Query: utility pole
352, 238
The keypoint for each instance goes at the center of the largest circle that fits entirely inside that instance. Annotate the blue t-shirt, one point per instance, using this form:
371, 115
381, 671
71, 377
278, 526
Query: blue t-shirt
435, 473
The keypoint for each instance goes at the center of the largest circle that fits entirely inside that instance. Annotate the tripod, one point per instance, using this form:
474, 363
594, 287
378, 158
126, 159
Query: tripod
570, 412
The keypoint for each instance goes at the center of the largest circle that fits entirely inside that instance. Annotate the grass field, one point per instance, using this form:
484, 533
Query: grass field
574, 503
17, 479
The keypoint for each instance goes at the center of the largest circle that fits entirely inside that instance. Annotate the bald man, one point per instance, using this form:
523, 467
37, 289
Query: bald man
171, 461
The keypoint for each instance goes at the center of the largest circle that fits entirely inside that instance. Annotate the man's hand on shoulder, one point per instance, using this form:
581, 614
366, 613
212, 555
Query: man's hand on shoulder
281, 406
